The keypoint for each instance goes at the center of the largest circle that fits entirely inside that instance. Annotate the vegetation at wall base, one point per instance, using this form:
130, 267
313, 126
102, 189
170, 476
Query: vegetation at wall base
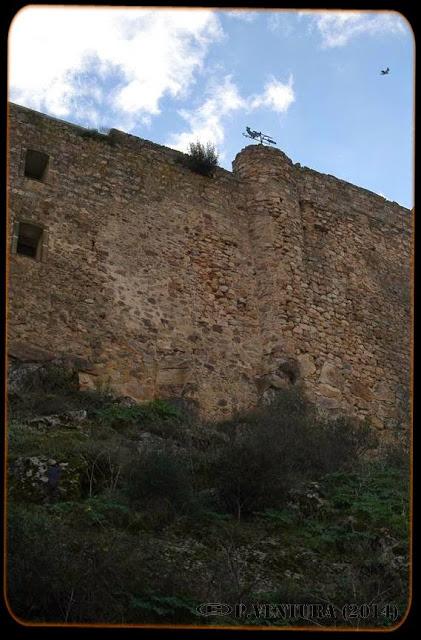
154, 516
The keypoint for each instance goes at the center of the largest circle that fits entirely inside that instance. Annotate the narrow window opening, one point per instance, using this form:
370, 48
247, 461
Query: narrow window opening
29, 240
36, 164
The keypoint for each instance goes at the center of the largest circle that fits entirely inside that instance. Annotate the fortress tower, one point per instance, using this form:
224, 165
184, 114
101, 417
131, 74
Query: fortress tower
276, 245
159, 282
332, 285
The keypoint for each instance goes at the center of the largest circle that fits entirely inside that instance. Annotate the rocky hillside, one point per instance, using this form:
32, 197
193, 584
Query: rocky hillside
139, 514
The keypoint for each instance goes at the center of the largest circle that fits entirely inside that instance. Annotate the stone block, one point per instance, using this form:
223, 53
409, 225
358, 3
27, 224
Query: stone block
361, 390
25, 352
328, 403
329, 392
382, 391
135, 389
173, 376
307, 366
376, 422
87, 382
331, 375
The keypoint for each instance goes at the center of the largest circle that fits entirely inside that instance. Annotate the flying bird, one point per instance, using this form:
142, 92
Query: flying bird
384, 72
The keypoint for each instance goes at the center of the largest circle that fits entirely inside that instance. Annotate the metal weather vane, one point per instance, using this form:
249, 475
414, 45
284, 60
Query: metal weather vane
258, 135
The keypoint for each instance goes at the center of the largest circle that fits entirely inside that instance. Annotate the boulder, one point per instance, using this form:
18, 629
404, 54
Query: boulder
20, 375
69, 419
39, 479
126, 401
150, 442
307, 498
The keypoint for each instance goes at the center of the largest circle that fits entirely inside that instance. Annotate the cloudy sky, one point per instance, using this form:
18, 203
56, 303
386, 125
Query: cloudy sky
311, 80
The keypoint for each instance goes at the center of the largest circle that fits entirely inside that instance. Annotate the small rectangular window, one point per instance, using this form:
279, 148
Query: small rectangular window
36, 164
29, 240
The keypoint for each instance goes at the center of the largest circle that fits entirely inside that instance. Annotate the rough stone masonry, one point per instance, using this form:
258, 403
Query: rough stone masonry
160, 282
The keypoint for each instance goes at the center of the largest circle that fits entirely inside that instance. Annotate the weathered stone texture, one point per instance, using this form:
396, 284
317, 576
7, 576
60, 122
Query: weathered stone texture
173, 284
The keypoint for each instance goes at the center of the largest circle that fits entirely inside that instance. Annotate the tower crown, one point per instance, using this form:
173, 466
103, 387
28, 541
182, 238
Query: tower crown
261, 164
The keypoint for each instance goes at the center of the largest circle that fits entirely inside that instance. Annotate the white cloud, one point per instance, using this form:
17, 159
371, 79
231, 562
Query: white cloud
242, 14
207, 123
277, 96
280, 22
150, 53
337, 28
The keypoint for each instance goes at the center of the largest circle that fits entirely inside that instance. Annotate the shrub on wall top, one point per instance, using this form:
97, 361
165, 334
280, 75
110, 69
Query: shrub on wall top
202, 158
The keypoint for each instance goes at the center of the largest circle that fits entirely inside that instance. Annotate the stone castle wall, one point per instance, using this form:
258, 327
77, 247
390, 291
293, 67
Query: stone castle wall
166, 283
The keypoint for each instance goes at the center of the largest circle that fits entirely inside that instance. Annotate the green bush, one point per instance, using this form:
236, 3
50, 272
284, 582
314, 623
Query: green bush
56, 443
53, 389
280, 446
230, 509
203, 159
153, 412
61, 573
159, 476
153, 606
158, 417
50, 377
101, 135
107, 511
103, 464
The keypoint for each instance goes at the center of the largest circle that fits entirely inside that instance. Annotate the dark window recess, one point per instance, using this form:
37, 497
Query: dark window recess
29, 240
36, 164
